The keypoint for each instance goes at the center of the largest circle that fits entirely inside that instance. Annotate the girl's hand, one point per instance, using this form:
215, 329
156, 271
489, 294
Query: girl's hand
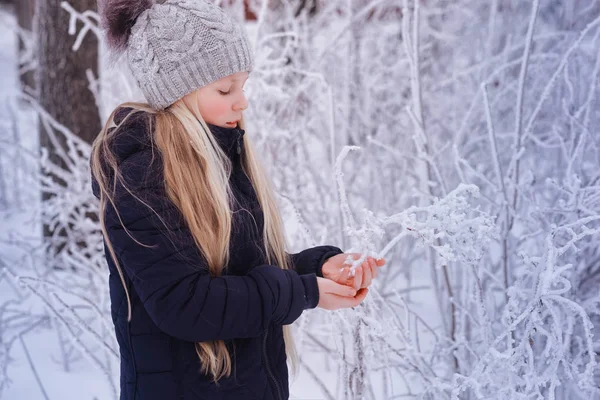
333, 296
335, 270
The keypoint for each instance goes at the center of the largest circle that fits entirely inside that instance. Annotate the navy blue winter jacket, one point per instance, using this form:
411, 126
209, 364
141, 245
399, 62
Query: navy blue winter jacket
175, 302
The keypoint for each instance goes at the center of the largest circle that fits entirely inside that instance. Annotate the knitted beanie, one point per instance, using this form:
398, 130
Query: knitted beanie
175, 46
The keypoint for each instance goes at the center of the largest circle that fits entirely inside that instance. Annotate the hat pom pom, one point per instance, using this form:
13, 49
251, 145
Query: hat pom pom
117, 17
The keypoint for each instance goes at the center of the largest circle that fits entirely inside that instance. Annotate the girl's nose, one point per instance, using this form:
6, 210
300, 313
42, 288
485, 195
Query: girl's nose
241, 104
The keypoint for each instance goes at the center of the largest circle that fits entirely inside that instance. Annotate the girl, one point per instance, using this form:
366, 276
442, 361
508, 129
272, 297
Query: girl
202, 290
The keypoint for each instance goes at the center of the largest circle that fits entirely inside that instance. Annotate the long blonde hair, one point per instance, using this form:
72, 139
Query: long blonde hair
196, 174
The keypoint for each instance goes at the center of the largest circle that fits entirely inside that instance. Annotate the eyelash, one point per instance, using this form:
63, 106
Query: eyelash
226, 93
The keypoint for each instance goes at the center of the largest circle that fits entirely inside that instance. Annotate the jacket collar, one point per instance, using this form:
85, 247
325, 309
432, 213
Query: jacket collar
231, 140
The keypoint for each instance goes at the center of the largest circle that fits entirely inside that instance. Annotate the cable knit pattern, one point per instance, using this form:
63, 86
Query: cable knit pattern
181, 45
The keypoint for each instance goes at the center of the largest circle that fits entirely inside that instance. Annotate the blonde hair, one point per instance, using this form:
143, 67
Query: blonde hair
196, 174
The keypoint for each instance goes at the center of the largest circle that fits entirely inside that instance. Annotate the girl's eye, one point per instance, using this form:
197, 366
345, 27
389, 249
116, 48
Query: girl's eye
223, 93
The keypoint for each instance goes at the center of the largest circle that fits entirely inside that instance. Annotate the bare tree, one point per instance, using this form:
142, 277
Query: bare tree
63, 86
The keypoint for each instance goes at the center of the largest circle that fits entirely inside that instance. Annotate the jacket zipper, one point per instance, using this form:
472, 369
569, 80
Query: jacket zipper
268, 368
239, 144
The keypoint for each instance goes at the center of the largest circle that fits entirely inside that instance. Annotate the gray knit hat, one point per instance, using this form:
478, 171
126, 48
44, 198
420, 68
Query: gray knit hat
176, 46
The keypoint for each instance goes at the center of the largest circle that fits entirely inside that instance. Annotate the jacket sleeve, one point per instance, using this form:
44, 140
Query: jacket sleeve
171, 277
310, 261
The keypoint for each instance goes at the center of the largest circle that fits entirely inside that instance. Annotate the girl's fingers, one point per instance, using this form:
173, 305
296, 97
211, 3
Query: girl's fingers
373, 267
366, 272
361, 295
347, 302
367, 275
358, 277
340, 290
344, 275
350, 278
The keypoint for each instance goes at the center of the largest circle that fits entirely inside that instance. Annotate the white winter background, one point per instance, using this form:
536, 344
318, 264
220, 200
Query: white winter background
457, 139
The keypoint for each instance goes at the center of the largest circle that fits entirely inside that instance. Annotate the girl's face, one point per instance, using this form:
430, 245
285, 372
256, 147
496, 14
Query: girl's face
221, 102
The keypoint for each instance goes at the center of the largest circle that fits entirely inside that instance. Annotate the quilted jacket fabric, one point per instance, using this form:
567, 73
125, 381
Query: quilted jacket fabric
175, 302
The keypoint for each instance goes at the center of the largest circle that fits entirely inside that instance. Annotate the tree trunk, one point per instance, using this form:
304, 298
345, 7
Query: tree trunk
63, 92
63, 85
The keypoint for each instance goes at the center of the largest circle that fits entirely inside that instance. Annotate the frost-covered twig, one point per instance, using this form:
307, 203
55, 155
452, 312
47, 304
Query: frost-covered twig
73, 337
33, 368
89, 19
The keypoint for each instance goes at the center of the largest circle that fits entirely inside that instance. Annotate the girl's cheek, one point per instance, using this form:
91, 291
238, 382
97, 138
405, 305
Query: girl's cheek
215, 108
